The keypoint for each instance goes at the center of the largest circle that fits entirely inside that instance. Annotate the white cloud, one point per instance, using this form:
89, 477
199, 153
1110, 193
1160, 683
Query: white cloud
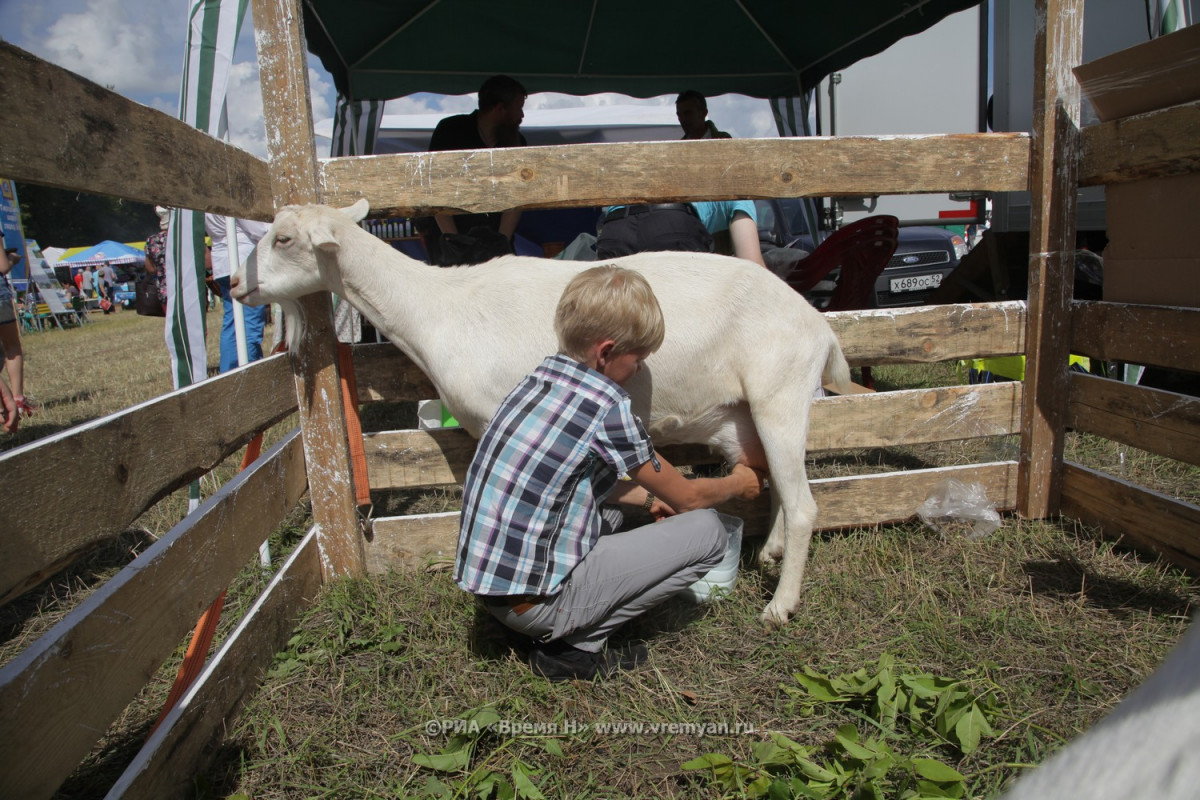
743, 117
243, 99
323, 95
107, 44
430, 104
247, 127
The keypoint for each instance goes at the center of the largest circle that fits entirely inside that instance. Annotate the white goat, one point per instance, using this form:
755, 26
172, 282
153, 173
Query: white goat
743, 356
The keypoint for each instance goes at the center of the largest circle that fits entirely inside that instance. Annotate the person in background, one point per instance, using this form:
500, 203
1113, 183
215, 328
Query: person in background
644, 228
691, 109
156, 258
10, 413
89, 282
454, 239
246, 234
106, 280
10, 337
537, 544
729, 227
734, 228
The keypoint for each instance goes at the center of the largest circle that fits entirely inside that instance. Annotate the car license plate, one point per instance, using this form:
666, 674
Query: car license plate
915, 283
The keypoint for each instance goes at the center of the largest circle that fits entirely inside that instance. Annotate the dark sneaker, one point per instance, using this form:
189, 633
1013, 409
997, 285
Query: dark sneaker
559, 661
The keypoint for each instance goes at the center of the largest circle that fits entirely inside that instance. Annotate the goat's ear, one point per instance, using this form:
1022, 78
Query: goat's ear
358, 211
323, 237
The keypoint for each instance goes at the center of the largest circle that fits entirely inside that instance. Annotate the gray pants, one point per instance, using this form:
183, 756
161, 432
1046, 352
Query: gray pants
623, 576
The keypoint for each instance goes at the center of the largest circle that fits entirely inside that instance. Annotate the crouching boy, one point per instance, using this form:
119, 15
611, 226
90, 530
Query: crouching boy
537, 543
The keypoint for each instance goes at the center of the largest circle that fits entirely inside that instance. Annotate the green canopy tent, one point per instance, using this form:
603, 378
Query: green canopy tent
382, 49
777, 49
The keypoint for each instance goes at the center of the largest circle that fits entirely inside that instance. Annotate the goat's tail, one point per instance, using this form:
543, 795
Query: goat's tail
837, 371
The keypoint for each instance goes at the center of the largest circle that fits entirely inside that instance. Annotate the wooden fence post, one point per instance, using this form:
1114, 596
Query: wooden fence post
287, 109
1053, 184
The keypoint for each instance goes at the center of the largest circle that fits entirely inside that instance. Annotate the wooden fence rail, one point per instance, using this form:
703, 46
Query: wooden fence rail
62, 692
1159, 422
602, 174
179, 748
1156, 335
415, 541
1143, 519
118, 466
83, 137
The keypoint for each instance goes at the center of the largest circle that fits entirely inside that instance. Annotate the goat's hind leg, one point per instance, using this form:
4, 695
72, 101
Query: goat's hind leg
791, 571
793, 509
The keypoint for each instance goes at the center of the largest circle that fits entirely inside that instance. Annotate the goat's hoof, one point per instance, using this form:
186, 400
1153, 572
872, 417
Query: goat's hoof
774, 616
769, 555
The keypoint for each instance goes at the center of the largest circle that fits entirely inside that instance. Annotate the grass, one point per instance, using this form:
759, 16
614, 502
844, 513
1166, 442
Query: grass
1060, 623
383, 676
82, 373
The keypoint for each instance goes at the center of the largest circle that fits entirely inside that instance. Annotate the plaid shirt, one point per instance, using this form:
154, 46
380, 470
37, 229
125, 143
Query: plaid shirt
548, 459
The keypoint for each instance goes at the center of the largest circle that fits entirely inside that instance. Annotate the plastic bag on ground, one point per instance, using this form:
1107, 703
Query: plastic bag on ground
953, 505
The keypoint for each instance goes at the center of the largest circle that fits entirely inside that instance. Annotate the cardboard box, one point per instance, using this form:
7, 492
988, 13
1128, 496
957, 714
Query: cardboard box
1153, 253
1160, 73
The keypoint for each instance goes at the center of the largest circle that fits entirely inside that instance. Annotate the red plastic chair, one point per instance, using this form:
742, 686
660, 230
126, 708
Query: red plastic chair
862, 249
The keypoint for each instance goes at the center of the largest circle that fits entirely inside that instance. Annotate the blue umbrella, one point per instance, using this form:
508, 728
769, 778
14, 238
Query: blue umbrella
107, 252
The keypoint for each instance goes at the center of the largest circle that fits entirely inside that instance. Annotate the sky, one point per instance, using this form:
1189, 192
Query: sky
136, 48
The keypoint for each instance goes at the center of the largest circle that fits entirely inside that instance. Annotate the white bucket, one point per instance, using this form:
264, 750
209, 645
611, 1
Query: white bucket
724, 575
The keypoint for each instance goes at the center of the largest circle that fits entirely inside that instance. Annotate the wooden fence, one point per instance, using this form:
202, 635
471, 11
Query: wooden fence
62, 693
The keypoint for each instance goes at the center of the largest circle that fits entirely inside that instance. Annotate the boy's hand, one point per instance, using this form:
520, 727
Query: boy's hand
660, 510
749, 479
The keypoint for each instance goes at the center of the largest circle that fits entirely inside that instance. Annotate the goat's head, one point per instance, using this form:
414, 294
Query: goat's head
296, 257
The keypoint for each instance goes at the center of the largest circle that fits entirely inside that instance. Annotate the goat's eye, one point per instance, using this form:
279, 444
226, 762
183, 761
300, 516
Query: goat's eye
282, 239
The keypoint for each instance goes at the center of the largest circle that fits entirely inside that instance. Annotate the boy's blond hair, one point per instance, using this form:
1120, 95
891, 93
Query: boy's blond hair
608, 302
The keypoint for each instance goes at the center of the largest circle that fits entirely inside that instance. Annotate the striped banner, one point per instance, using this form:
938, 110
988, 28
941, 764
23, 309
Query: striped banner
213, 28
356, 127
1169, 16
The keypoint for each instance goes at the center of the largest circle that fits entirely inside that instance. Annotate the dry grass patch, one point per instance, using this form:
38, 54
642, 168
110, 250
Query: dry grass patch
1055, 623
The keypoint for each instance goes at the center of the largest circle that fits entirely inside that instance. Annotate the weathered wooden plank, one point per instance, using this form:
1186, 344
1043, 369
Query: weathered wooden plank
403, 459
1143, 519
1157, 144
919, 335
867, 500
407, 459
86, 138
602, 174
914, 416
1157, 335
90, 482
1156, 421
183, 743
1053, 167
61, 693
860, 501
413, 541
929, 334
287, 106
